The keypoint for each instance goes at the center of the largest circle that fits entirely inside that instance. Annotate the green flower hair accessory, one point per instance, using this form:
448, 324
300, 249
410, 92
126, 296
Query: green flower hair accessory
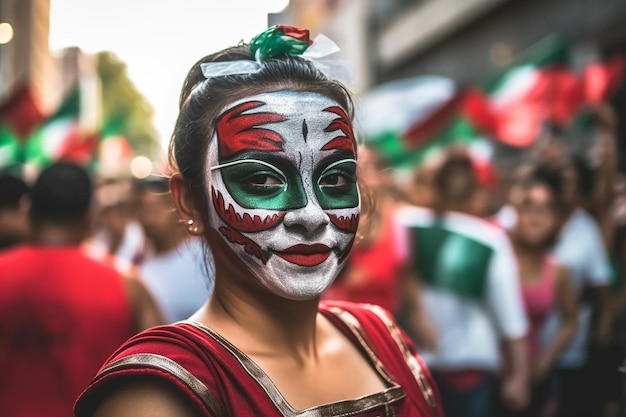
280, 39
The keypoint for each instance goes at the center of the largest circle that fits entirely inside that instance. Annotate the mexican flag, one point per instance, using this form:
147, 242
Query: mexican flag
11, 149
114, 150
411, 119
21, 111
62, 137
513, 108
20, 114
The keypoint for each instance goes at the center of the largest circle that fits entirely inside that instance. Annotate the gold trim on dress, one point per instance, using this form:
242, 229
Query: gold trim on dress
411, 360
344, 408
162, 363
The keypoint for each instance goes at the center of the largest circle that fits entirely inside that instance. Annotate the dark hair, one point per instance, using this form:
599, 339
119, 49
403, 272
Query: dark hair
153, 183
548, 176
202, 99
61, 194
12, 189
585, 175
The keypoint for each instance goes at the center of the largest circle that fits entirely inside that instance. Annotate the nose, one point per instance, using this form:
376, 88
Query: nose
309, 218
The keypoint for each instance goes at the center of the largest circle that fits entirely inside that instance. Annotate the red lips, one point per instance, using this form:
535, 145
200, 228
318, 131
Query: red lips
306, 255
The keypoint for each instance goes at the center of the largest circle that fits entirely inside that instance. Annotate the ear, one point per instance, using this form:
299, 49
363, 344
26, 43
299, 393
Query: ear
186, 205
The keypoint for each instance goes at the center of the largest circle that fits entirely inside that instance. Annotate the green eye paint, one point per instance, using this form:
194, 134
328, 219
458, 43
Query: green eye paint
260, 185
336, 186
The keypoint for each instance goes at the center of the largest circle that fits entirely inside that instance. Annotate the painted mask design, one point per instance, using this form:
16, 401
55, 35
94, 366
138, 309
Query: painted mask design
281, 172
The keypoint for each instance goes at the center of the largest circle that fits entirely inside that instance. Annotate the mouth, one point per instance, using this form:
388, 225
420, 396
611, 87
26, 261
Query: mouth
305, 255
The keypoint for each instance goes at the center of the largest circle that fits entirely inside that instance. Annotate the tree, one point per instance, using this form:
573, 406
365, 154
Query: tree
125, 111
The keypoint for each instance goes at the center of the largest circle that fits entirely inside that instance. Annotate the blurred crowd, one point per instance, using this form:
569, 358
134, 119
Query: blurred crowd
85, 265
509, 282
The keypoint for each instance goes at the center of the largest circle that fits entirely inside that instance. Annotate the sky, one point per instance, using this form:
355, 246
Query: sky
158, 39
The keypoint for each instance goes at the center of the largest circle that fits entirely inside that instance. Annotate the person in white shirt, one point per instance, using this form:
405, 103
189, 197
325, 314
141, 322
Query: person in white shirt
471, 296
580, 248
173, 267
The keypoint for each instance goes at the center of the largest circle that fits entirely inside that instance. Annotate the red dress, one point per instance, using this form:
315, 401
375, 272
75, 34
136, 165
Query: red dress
61, 315
220, 380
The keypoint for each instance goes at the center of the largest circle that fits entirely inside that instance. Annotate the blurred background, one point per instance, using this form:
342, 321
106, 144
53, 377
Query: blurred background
519, 85
98, 82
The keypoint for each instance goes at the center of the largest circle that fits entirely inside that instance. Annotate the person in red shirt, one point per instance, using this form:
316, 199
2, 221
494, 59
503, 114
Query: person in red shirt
61, 313
265, 159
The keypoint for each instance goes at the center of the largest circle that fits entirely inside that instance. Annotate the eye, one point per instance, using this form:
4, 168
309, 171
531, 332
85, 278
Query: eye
339, 177
335, 180
263, 180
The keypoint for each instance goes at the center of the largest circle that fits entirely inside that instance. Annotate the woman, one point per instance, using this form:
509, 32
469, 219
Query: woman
545, 285
267, 175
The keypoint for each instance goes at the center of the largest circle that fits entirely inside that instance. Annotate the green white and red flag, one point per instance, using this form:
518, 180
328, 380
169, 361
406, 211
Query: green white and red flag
62, 137
544, 87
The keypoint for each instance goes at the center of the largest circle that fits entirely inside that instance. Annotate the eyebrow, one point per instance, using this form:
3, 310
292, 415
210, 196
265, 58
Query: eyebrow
246, 161
238, 131
342, 123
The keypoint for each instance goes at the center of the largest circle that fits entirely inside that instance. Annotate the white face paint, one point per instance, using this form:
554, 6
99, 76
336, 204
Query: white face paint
281, 173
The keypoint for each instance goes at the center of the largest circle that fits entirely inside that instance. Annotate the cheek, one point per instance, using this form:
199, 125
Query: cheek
242, 220
550, 223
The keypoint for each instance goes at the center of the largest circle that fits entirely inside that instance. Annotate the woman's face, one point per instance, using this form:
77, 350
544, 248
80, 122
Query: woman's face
281, 178
537, 215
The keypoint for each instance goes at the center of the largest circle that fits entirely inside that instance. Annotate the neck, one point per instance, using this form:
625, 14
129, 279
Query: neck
168, 242
266, 324
525, 252
58, 235
458, 206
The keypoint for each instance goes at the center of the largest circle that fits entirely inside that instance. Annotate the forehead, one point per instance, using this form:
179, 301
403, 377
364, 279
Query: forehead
283, 122
538, 191
291, 104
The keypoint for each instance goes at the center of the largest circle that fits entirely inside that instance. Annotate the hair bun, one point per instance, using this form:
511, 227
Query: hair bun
279, 40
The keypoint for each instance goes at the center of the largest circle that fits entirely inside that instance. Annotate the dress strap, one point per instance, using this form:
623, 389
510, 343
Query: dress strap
409, 357
169, 366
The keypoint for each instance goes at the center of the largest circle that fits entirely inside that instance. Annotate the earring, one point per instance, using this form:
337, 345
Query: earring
193, 229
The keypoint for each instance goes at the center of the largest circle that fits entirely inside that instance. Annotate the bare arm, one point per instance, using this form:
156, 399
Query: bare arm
514, 388
603, 326
604, 184
146, 314
145, 398
567, 306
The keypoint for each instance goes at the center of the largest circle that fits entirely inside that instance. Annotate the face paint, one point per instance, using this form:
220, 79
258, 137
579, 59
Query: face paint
281, 172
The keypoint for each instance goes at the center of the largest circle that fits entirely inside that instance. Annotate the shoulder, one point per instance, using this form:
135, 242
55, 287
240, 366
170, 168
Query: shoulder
371, 324
477, 228
582, 222
144, 397
376, 327
413, 215
562, 275
179, 357
467, 225
16, 254
360, 311
376, 324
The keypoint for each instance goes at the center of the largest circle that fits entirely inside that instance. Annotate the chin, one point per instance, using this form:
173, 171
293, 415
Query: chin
538, 242
295, 282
